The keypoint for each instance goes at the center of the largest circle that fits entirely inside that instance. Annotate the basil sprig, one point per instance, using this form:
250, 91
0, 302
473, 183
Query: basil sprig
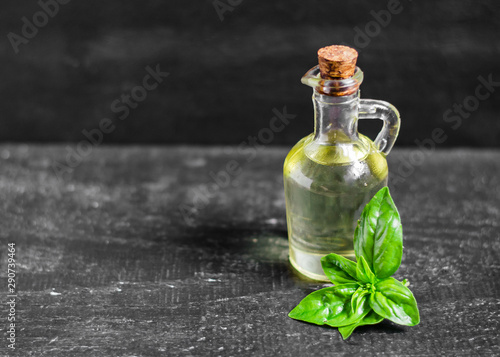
364, 291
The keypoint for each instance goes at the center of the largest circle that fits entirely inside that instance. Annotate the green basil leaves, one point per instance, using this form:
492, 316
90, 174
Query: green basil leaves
379, 235
370, 319
364, 291
339, 270
395, 302
325, 305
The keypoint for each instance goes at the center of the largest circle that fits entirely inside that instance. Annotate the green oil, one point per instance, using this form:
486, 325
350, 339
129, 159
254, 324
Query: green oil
326, 189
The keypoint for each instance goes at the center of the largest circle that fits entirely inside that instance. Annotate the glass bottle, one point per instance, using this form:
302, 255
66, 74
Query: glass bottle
332, 173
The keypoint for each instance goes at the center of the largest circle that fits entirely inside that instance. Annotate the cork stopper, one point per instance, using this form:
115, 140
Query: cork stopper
337, 62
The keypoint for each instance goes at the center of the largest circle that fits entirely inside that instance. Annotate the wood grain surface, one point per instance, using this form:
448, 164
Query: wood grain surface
124, 257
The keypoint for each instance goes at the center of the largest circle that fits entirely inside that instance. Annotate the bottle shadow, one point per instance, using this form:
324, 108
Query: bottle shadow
259, 249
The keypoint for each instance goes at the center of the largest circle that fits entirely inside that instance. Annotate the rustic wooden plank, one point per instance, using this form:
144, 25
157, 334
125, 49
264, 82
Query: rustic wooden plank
136, 279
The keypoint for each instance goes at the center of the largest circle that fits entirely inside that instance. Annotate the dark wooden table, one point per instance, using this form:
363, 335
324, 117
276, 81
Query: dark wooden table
137, 252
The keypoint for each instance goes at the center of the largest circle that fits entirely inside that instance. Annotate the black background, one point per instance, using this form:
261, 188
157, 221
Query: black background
227, 76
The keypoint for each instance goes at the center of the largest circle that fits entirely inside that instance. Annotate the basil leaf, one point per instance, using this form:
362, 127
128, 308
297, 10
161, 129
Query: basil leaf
379, 235
395, 302
359, 306
372, 318
325, 304
363, 271
338, 269
358, 298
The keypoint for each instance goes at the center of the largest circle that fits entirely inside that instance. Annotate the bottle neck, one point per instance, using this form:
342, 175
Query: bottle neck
335, 118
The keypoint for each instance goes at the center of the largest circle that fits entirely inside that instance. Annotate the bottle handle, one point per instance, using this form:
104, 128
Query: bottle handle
378, 109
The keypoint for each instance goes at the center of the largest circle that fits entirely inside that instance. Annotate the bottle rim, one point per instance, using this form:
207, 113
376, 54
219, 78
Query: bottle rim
333, 87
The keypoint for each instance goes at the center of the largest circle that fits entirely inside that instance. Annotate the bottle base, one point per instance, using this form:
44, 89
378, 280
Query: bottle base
309, 263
